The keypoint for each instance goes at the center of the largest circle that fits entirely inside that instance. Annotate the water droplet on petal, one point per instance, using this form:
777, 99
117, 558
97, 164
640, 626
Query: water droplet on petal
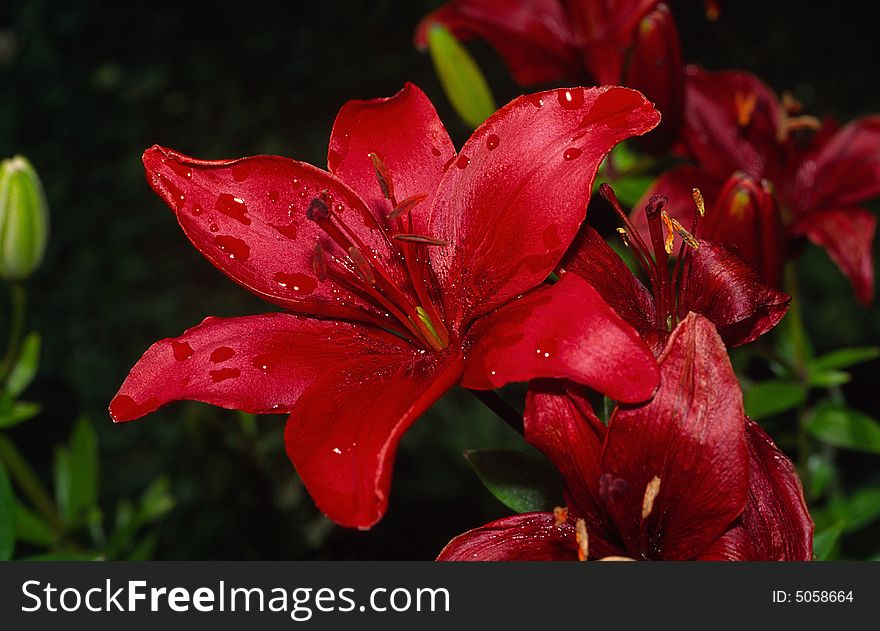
214, 227
235, 248
288, 231
182, 350
223, 374
273, 196
196, 210
571, 153
536, 100
435, 151
299, 283
571, 99
221, 354
233, 207
462, 162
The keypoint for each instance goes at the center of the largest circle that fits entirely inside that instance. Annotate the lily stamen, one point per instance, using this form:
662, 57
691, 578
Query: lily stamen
651, 491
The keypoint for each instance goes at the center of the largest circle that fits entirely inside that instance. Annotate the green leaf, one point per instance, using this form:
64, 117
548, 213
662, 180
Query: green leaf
31, 528
145, 548
83, 469
773, 397
61, 472
155, 502
7, 516
858, 510
844, 358
821, 378
461, 78
825, 542
822, 472
630, 188
66, 556
520, 481
843, 427
26, 367
17, 412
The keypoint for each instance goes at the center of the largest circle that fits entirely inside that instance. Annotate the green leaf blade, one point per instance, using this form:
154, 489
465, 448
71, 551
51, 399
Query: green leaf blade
522, 482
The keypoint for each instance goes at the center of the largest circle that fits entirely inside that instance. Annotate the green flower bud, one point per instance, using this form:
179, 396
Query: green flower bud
24, 219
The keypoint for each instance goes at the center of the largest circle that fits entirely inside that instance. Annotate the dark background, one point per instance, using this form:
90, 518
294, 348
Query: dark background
86, 86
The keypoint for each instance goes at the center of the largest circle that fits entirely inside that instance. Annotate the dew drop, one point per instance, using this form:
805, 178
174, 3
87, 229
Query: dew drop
491, 142
180, 169
448, 164
571, 99
536, 100
214, 227
273, 196
462, 162
124, 408
235, 248
288, 231
241, 171
571, 153
299, 283
435, 151
233, 207
223, 374
221, 354
182, 350
196, 210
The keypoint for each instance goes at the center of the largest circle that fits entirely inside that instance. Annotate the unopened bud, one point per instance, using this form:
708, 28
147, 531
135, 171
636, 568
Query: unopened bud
24, 219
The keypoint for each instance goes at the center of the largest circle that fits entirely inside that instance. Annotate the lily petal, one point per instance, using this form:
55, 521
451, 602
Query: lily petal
248, 218
691, 436
406, 134
561, 331
533, 36
524, 537
847, 234
508, 220
343, 433
721, 285
776, 525
258, 364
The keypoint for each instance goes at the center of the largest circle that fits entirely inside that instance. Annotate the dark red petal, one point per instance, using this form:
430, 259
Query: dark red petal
591, 258
720, 285
561, 331
405, 132
343, 433
714, 133
525, 537
847, 234
248, 217
560, 422
259, 364
533, 36
776, 525
692, 436
514, 198
656, 69
845, 171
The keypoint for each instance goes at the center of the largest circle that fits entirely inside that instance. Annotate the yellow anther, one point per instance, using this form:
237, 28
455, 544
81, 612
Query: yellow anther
616, 558
673, 226
560, 515
698, 200
744, 103
623, 236
583, 540
670, 231
651, 491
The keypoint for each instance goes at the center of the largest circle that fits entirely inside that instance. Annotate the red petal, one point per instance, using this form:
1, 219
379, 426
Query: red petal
525, 537
259, 364
656, 69
692, 436
532, 36
720, 285
845, 171
405, 132
248, 217
847, 234
560, 331
591, 258
518, 191
776, 524
343, 433
560, 422
713, 131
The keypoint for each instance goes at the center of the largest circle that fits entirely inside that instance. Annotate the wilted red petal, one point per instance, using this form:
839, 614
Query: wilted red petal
776, 524
259, 364
342, 434
560, 422
533, 36
405, 132
720, 285
691, 436
656, 69
847, 234
248, 217
731, 121
525, 537
591, 258
517, 193
561, 331
845, 170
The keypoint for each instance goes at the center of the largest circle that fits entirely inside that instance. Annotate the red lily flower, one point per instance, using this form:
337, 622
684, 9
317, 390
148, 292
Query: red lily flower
407, 269
736, 126
709, 278
684, 476
629, 42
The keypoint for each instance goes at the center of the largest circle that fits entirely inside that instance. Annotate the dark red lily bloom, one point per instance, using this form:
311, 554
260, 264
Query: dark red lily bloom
628, 42
710, 278
736, 126
406, 269
684, 476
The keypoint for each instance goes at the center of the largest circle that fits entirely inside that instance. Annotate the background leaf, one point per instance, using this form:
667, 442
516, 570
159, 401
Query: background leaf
26, 367
520, 481
844, 427
773, 397
844, 358
7, 516
825, 542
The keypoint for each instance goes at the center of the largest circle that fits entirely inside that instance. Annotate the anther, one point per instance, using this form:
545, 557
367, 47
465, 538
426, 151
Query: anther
362, 264
560, 515
670, 232
319, 263
745, 103
623, 236
418, 238
673, 226
698, 200
317, 210
651, 491
407, 205
382, 176
583, 540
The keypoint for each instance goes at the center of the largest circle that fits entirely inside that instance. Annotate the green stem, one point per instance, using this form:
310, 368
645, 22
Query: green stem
798, 335
29, 483
18, 296
502, 408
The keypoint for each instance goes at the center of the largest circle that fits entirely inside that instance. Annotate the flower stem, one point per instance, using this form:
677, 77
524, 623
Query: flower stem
798, 336
29, 483
18, 296
502, 408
